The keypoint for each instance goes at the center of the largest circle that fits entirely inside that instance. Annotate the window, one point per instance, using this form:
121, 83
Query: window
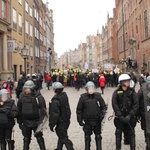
3, 9
31, 51
26, 6
20, 23
27, 27
37, 16
31, 32
137, 29
34, 13
20, 1
14, 19
145, 24
34, 31
30, 11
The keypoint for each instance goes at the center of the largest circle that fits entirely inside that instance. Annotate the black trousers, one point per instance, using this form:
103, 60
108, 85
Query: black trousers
91, 127
61, 131
5, 134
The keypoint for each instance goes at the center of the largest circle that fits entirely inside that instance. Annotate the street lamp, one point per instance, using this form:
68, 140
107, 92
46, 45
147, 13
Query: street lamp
24, 54
50, 53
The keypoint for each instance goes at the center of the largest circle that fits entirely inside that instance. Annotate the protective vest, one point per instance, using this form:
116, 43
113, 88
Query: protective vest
125, 100
30, 107
65, 112
3, 116
92, 108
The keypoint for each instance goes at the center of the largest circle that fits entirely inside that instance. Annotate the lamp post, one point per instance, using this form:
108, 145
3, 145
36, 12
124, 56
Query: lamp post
24, 54
50, 53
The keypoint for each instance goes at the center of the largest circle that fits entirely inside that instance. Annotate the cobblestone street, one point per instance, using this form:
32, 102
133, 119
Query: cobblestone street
75, 131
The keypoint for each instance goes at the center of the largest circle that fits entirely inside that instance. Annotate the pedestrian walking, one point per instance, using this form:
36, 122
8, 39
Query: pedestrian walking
102, 82
32, 110
8, 111
90, 111
59, 116
125, 105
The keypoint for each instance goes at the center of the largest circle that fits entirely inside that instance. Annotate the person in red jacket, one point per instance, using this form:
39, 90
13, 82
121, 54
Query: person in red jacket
48, 80
102, 82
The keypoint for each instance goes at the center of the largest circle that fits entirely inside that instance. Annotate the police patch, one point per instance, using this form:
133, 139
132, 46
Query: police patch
119, 92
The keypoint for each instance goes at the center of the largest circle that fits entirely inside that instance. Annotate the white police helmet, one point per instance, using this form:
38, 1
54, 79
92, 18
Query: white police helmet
123, 77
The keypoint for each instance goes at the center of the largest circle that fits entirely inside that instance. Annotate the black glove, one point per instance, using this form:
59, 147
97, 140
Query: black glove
21, 126
81, 123
121, 119
52, 129
102, 116
2, 110
127, 118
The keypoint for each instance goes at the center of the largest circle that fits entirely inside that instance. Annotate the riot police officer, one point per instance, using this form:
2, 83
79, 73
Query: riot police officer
36, 82
90, 111
144, 97
59, 116
125, 105
32, 110
8, 111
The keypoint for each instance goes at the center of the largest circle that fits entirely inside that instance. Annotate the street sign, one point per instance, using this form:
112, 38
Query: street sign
11, 45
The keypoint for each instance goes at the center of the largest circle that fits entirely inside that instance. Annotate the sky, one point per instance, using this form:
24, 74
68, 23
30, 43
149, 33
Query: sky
74, 20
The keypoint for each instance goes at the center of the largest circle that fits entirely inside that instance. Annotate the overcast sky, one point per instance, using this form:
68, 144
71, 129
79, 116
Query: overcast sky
76, 19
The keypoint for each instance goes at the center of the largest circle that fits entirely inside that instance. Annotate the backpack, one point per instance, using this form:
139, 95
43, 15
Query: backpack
30, 108
92, 108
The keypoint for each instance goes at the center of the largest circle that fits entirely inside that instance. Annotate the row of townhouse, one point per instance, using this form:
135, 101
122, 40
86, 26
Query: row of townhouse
125, 35
25, 25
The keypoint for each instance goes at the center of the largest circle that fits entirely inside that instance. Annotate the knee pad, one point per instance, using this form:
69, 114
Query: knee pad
8, 140
88, 138
98, 137
27, 139
118, 132
40, 139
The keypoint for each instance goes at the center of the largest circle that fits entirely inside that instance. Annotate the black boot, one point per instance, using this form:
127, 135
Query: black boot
98, 142
118, 139
68, 143
3, 145
41, 143
11, 144
147, 140
59, 145
87, 142
26, 143
132, 142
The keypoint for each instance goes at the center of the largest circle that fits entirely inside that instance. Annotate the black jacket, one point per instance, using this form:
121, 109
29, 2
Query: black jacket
59, 110
41, 105
125, 102
11, 111
82, 109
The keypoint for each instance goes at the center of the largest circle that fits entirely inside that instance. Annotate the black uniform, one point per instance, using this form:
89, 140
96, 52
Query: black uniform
32, 110
125, 105
60, 118
20, 86
8, 111
37, 83
91, 109
142, 114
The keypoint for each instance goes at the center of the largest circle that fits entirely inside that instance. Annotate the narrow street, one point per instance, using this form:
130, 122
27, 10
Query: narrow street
75, 131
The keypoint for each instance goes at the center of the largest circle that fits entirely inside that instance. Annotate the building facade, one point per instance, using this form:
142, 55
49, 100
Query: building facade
5, 35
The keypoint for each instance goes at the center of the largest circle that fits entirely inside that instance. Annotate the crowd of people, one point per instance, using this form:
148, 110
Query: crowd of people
30, 110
